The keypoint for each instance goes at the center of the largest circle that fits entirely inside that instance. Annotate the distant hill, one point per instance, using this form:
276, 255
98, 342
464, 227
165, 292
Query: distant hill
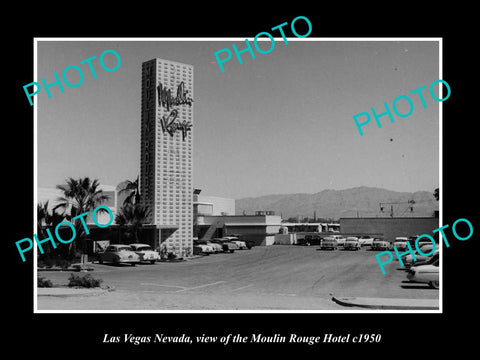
362, 201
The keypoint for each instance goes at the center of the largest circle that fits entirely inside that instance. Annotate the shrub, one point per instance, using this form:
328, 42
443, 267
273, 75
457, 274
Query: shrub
46, 261
86, 281
43, 282
64, 264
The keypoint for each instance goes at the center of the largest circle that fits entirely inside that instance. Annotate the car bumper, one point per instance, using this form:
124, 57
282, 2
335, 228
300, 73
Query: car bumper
128, 260
328, 246
149, 258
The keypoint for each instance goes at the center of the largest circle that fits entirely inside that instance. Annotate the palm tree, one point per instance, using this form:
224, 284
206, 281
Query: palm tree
46, 219
79, 196
42, 217
132, 187
133, 216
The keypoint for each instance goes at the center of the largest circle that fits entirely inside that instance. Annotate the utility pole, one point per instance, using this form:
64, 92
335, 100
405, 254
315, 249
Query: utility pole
409, 202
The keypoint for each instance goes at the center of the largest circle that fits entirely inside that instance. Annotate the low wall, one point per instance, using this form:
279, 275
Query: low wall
390, 227
285, 239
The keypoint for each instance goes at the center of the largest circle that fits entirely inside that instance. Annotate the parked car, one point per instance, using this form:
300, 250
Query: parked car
227, 245
198, 250
380, 244
408, 260
248, 243
365, 240
329, 242
117, 254
400, 242
428, 261
216, 247
424, 243
340, 239
351, 243
425, 274
234, 239
311, 240
145, 252
411, 240
240, 243
206, 247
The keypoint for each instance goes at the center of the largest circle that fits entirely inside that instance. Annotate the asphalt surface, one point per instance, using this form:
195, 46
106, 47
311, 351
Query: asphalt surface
279, 277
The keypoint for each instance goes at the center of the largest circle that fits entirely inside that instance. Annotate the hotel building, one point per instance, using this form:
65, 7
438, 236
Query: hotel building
166, 165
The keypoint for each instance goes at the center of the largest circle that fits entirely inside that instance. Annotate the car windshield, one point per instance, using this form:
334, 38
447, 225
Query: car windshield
124, 248
143, 248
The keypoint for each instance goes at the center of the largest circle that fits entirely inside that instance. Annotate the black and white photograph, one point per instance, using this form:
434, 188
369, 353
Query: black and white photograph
251, 188
240, 181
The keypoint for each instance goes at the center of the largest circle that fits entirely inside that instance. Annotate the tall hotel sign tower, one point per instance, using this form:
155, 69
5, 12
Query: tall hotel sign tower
166, 168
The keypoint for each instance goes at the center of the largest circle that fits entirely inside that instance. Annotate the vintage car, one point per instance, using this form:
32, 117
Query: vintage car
117, 254
145, 252
329, 242
351, 243
248, 242
217, 248
411, 240
240, 243
380, 244
311, 240
400, 243
365, 240
227, 245
428, 261
425, 274
198, 250
202, 249
206, 247
340, 240
425, 249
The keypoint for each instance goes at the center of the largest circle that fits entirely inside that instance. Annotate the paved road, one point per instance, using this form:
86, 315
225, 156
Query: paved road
274, 277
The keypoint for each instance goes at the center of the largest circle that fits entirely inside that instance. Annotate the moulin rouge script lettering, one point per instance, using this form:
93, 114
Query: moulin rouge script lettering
166, 100
169, 125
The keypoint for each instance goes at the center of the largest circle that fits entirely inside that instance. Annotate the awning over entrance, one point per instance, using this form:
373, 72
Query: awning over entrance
163, 226
167, 226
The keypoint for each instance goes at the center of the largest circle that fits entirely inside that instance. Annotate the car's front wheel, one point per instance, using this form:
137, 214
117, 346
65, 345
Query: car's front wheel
434, 284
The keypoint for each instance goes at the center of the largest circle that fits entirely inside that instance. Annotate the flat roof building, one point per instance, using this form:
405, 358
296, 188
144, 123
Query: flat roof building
260, 229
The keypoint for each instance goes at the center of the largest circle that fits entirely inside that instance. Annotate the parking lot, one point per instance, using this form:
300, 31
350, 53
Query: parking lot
278, 277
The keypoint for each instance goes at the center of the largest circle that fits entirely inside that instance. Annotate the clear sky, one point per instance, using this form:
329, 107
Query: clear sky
279, 123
